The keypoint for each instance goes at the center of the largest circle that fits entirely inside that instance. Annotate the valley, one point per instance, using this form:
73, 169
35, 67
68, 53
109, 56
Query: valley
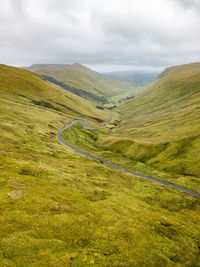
59, 208
100, 133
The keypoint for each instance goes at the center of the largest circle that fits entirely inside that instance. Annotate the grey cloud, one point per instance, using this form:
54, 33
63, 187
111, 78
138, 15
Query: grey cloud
132, 33
189, 3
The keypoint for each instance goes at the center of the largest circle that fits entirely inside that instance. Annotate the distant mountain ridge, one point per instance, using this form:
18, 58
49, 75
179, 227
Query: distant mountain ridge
136, 78
81, 78
34, 67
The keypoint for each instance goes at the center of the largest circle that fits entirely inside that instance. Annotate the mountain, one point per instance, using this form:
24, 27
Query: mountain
30, 86
163, 122
80, 80
59, 208
135, 78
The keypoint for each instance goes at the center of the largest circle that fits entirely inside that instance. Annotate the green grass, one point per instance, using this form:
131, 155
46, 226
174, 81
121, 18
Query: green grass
58, 208
120, 98
163, 122
125, 153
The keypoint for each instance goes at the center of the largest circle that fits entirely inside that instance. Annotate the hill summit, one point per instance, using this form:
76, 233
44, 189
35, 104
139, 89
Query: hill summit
81, 78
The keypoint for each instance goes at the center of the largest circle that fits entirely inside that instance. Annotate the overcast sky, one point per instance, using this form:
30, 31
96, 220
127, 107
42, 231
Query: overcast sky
103, 34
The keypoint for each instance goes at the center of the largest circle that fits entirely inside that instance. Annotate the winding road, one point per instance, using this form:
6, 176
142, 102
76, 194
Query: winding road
193, 193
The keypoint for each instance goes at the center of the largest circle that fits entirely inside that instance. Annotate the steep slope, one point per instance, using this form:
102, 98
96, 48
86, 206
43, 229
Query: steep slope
61, 209
82, 78
163, 122
30, 87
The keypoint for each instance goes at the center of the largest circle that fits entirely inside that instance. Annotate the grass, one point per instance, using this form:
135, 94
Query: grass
118, 151
58, 208
163, 122
121, 98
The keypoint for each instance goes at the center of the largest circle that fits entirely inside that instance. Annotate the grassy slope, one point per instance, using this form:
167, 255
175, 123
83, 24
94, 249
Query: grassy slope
83, 78
29, 85
162, 125
60, 209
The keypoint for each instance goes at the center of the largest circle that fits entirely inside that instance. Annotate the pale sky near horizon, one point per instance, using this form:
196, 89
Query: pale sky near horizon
106, 35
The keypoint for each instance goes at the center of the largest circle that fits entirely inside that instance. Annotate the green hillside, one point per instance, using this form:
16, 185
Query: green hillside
162, 124
30, 87
58, 208
82, 78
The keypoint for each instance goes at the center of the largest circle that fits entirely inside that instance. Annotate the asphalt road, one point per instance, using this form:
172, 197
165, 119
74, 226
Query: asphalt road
193, 193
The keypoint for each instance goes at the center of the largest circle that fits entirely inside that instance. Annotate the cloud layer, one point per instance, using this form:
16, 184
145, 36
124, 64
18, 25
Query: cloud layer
105, 34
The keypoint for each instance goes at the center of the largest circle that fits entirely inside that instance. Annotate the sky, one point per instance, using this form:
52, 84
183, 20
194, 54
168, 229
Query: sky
106, 35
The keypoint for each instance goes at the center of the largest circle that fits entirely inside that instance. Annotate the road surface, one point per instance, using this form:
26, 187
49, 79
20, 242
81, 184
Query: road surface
193, 193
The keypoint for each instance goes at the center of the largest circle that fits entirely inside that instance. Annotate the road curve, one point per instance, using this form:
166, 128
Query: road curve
193, 193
